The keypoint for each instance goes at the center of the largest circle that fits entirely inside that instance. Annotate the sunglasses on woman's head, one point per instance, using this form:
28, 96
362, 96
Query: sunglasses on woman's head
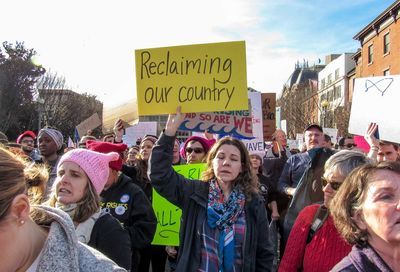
334, 184
197, 150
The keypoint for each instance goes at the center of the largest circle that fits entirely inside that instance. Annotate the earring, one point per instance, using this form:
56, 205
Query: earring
22, 221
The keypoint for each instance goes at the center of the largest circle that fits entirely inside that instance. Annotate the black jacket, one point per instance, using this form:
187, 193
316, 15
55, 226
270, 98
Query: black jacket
131, 172
192, 196
112, 240
128, 203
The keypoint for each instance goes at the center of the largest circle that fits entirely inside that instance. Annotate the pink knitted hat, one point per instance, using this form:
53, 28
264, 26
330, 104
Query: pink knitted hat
94, 164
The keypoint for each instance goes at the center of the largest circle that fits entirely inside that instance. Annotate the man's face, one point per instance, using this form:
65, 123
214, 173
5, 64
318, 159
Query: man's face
27, 144
387, 153
47, 146
313, 138
348, 144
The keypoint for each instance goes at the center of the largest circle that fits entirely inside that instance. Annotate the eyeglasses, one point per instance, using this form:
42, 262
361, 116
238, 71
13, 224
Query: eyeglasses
334, 184
28, 141
196, 150
349, 145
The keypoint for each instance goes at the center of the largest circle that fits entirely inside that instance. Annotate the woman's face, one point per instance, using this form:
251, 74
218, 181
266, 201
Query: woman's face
132, 155
194, 152
380, 211
227, 163
145, 149
71, 183
255, 162
333, 181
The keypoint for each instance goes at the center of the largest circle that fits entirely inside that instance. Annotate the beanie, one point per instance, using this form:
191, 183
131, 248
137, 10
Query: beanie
27, 133
94, 164
205, 143
106, 147
150, 138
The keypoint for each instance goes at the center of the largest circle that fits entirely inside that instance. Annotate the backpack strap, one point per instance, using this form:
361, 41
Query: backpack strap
319, 218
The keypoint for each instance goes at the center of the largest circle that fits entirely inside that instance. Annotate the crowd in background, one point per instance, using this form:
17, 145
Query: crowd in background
322, 207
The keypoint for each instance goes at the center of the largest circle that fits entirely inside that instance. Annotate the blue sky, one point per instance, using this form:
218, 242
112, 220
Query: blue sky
92, 42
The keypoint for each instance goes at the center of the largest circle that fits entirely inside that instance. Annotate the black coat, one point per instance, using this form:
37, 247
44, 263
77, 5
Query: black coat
112, 240
192, 196
128, 203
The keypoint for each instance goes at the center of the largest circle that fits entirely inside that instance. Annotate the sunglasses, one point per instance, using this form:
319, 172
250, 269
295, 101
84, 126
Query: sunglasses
350, 145
334, 185
196, 150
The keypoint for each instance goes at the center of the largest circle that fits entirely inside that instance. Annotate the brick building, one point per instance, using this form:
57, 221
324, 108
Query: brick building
380, 45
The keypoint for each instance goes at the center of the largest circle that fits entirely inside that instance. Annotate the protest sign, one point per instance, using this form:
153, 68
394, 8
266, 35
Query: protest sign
268, 114
138, 130
234, 123
90, 123
332, 132
256, 145
299, 140
376, 99
169, 215
200, 78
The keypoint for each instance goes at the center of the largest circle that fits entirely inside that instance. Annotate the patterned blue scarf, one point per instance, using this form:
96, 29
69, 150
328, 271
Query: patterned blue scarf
223, 214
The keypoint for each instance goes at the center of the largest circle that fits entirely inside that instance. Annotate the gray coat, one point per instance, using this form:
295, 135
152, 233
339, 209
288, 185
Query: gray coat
63, 252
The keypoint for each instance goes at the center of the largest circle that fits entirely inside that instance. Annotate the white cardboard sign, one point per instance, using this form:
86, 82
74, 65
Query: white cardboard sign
376, 99
137, 131
256, 145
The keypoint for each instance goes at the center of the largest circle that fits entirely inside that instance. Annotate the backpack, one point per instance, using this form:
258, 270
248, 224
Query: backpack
319, 218
309, 190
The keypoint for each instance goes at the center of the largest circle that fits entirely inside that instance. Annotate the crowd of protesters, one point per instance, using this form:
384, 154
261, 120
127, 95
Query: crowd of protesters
89, 208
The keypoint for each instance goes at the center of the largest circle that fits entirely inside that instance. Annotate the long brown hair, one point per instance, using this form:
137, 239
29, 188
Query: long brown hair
246, 179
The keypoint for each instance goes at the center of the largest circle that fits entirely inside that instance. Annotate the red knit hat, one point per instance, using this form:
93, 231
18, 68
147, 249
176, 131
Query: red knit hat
205, 143
106, 147
27, 133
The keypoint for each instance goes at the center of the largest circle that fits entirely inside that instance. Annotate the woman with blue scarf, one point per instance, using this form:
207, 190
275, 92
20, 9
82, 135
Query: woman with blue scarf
224, 221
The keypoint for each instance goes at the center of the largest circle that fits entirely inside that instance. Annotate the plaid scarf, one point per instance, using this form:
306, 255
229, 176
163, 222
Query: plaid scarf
222, 215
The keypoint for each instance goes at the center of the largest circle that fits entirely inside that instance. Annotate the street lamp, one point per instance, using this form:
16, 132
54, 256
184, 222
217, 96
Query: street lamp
40, 105
325, 104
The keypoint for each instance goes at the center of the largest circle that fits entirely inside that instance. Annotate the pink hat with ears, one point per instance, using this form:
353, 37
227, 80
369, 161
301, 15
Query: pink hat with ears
94, 164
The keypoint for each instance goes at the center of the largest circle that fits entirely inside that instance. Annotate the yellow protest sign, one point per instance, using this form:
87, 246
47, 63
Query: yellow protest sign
200, 78
168, 215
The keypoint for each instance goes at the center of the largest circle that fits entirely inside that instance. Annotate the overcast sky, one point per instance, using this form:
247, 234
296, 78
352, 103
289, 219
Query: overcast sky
92, 43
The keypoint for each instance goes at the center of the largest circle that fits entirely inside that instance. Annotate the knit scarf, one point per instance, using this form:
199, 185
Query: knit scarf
223, 215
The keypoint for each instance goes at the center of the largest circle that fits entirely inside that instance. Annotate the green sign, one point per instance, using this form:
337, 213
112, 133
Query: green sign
169, 215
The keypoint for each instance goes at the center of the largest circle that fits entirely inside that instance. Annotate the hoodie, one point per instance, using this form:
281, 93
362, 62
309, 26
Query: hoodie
63, 252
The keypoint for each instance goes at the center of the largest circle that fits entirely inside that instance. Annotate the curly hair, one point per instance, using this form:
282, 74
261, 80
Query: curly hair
350, 197
247, 180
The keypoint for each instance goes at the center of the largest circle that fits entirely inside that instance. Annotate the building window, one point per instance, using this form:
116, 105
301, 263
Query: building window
386, 72
370, 53
386, 43
337, 74
323, 83
337, 92
329, 78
